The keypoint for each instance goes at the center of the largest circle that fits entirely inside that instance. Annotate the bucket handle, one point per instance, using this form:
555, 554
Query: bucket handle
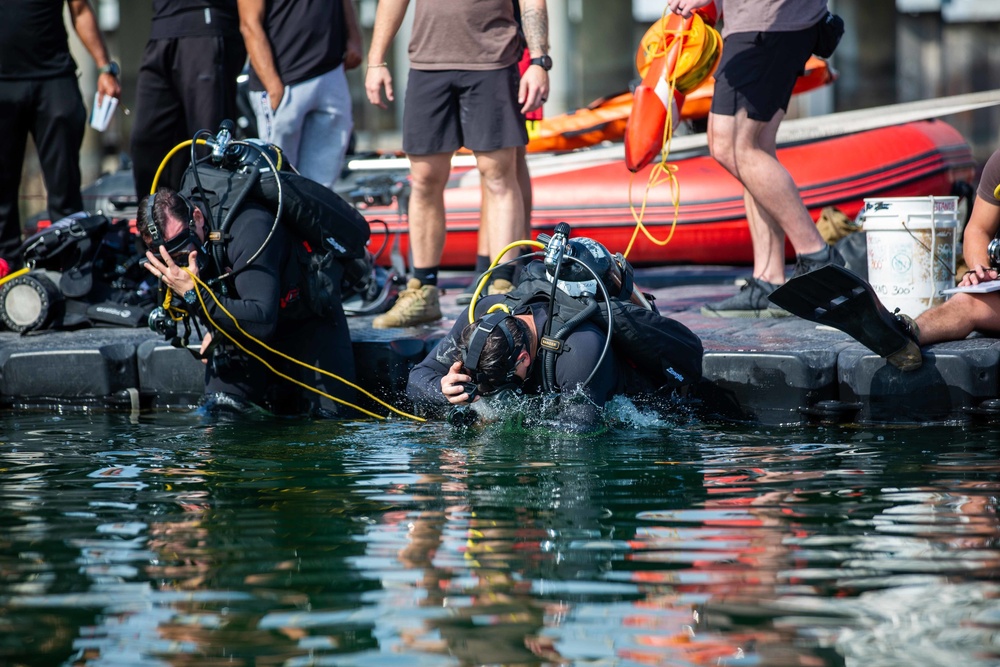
933, 249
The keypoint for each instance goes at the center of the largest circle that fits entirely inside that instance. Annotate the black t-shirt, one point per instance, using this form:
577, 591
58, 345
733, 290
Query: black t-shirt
194, 18
308, 38
33, 40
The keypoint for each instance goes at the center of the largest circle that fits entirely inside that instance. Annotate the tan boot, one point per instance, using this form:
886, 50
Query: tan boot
417, 304
500, 286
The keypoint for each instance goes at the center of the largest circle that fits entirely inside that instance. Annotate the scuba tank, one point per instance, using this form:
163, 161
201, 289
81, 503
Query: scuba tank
574, 278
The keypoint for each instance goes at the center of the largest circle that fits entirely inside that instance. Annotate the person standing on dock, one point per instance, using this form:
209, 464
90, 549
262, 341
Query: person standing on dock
186, 83
464, 89
300, 51
40, 95
766, 44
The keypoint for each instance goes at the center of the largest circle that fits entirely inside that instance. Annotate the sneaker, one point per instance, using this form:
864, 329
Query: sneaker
417, 304
908, 358
500, 286
810, 262
750, 302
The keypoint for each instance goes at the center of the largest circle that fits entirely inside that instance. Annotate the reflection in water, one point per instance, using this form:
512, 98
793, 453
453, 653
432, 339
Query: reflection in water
169, 542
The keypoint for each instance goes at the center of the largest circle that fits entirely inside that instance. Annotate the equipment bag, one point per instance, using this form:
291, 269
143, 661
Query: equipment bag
84, 271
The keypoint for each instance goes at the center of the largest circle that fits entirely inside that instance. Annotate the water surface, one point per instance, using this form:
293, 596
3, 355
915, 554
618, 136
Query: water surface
165, 540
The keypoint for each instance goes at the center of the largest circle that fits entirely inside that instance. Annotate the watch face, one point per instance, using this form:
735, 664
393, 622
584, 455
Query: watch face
545, 62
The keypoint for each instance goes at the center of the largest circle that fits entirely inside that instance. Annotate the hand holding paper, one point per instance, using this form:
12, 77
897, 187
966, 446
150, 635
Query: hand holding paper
100, 114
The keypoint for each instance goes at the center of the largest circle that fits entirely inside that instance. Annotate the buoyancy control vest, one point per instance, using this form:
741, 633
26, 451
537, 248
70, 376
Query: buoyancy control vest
331, 235
640, 335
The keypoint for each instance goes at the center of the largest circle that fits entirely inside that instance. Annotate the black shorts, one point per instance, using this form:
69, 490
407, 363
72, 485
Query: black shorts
447, 109
758, 70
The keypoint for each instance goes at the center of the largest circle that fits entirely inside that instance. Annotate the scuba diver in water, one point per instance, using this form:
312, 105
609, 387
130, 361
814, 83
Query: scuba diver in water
257, 291
585, 339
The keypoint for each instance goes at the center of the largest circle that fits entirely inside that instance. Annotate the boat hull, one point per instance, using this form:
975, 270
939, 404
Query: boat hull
913, 159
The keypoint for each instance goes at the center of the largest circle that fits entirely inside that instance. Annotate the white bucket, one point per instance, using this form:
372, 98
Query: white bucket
911, 250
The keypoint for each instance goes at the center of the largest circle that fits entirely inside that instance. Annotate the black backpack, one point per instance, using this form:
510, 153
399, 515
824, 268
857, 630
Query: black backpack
331, 235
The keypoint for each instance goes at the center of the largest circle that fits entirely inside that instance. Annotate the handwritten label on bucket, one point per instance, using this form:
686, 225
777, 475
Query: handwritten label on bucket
911, 250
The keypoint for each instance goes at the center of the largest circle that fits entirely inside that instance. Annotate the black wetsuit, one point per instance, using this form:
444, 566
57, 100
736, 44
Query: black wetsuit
572, 367
39, 95
258, 298
186, 83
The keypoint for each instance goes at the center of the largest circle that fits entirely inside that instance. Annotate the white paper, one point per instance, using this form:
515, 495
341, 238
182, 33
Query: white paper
101, 112
981, 288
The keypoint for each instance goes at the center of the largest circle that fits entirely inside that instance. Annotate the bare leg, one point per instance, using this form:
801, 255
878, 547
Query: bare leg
524, 181
503, 207
959, 316
768, 243
426, 210
746, 148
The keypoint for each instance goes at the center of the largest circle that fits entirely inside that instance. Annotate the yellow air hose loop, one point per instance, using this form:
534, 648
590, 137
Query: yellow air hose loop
486, 274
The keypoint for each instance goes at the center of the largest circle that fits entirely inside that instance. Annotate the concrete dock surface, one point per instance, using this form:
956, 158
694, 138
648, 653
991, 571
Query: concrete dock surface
780, 371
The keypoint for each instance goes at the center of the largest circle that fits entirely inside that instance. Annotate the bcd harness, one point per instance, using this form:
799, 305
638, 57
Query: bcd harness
331, 235
637, 333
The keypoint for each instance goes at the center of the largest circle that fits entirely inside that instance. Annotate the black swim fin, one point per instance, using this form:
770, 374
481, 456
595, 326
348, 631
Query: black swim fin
834, 296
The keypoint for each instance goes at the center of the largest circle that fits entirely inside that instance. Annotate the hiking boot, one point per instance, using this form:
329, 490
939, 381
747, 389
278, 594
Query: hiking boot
750, 302
500, 286
908, 357
815, 260
417, 304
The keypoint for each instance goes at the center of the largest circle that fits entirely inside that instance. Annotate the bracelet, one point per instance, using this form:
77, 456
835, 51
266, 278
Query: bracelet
378, 65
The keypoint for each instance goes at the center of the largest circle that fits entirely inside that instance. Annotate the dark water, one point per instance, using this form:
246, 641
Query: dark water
166, 541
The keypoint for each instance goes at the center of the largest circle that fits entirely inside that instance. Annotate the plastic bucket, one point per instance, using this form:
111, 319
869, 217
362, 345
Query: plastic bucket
911, 250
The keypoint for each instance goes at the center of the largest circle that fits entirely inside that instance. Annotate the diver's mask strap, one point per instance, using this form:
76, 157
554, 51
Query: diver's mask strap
473, 355
482, 333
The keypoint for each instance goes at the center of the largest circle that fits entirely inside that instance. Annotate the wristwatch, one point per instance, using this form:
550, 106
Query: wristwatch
111, 68
191, 296
545, 62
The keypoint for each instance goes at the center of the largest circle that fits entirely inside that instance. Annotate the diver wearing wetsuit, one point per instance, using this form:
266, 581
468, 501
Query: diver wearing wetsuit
262, 299
513, 360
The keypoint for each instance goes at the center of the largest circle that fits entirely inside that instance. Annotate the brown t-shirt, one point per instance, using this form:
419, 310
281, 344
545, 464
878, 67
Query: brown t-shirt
464, 35
990, 179
770, 15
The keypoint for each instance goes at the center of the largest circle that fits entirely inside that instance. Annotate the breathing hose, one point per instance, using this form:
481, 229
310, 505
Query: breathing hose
549, 360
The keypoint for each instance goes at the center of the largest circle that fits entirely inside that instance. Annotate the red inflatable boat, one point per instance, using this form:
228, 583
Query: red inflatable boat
590, 191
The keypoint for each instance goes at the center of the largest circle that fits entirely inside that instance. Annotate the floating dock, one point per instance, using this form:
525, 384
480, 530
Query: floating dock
783, 371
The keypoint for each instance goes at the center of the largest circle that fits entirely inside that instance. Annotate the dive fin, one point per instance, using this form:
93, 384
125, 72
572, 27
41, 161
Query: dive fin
834, 296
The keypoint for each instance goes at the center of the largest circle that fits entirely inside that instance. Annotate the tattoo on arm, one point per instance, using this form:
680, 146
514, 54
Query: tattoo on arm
536, 29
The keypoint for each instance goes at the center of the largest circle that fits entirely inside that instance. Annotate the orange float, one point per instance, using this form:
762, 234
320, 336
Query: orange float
675, 56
